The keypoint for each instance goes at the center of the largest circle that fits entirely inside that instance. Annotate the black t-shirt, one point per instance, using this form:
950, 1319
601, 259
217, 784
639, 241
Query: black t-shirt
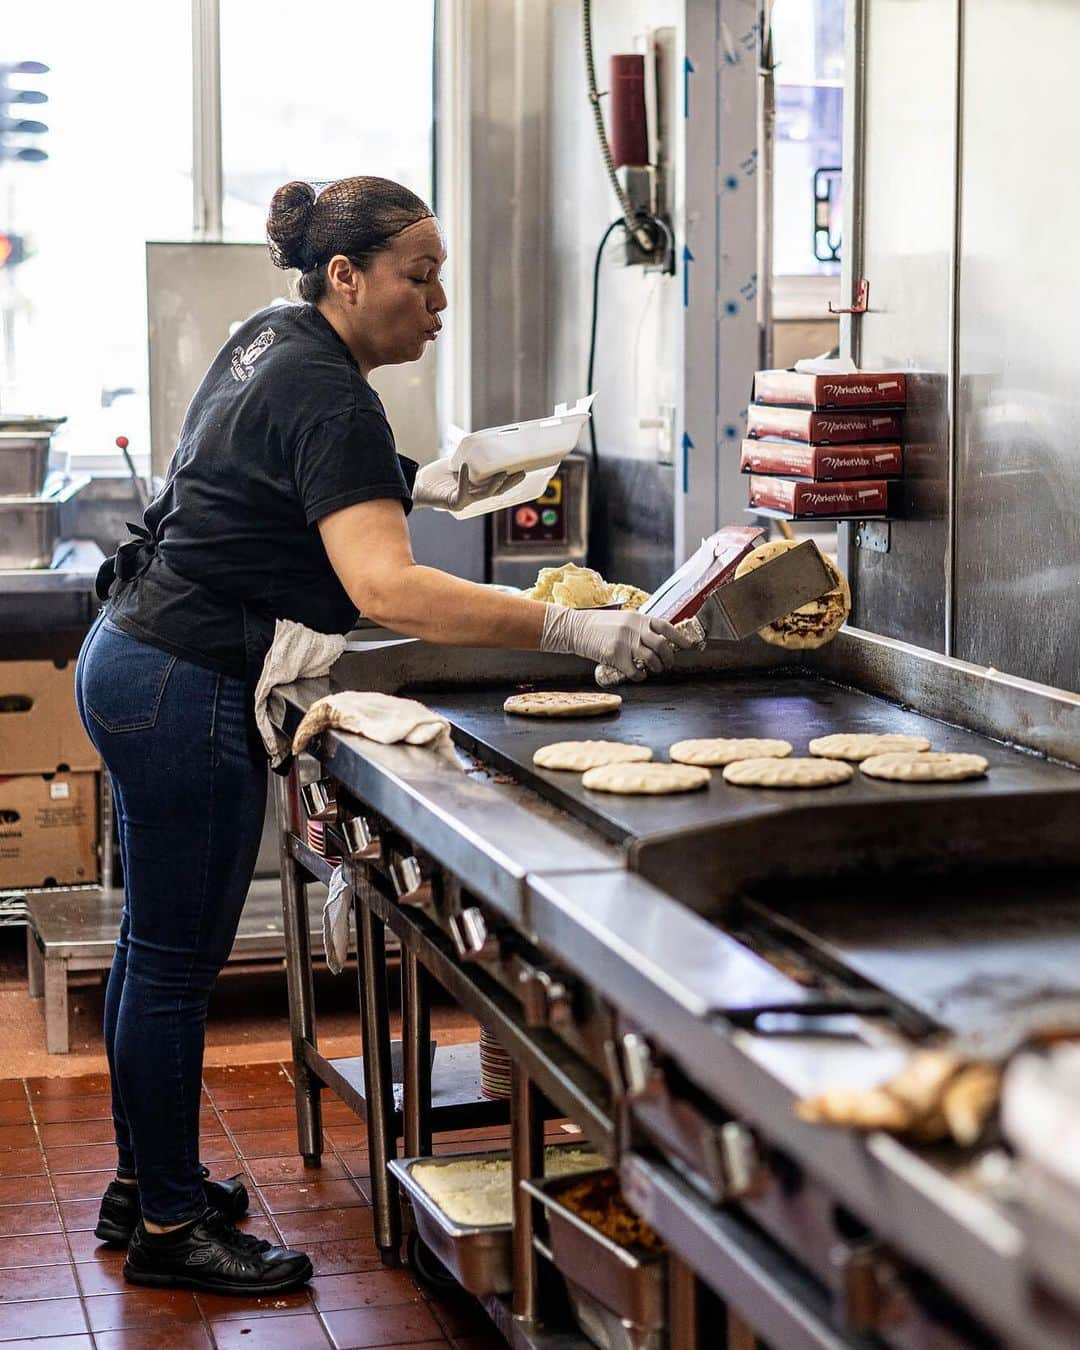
282, 431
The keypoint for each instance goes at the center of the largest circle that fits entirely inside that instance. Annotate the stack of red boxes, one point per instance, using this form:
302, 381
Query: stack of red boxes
824, 444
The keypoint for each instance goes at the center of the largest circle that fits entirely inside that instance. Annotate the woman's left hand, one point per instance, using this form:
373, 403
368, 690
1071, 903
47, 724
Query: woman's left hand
446, 489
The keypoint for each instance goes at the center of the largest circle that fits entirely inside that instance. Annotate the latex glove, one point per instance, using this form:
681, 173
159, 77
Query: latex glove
438, 485
635, 644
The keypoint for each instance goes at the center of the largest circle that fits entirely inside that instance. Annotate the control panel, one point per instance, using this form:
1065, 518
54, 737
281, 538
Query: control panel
546, 532
544, 520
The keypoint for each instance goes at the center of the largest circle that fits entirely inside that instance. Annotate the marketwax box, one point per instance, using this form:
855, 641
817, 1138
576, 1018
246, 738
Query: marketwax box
802, 499
856, 427
48, 830
837, 389
822, 462
40, 730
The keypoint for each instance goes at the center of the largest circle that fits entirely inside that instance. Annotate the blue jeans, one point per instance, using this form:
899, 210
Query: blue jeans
190, 796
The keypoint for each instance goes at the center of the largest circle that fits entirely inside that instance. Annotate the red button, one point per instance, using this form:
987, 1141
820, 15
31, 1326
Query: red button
526, 517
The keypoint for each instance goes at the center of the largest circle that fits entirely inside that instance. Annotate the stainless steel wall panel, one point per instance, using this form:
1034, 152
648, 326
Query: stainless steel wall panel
1018, 449
907, 219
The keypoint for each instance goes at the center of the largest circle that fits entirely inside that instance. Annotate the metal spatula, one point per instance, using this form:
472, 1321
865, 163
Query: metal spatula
740, 607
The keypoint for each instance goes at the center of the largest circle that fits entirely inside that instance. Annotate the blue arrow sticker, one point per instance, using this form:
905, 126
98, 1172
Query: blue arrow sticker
687, 446
688, 70
687, 259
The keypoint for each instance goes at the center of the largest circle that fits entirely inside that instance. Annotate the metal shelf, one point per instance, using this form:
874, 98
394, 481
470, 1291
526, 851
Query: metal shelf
732, 1256
456, 1103
574, 1089
525, 1335
771, 513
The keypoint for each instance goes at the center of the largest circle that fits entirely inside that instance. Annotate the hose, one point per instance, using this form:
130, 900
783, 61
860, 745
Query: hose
633, 221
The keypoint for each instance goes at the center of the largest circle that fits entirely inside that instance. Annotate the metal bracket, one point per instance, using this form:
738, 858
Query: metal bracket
359, 839
472, 938
733, 1162
875, 535
545, 998
408, 880
867, 1294
861, 303
640, 1073
320, 799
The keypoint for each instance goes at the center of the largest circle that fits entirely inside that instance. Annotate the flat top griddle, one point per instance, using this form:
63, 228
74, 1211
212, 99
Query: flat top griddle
967, 957
792, 706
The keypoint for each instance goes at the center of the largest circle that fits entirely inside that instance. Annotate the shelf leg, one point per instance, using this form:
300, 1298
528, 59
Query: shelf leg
35, 964
683, 1306
378, 1079
740, 1334
56, 1005
416, 1056
527, 1160
298, 977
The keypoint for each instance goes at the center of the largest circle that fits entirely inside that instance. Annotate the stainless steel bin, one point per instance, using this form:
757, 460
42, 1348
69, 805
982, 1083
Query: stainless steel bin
24, 463
619, 1295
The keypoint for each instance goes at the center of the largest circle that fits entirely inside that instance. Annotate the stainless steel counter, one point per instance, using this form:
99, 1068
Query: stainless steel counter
45, 601
688, 998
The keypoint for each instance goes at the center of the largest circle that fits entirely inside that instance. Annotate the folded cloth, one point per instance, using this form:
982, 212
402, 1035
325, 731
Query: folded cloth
297, 653
379, 717
335, 922
937, 1095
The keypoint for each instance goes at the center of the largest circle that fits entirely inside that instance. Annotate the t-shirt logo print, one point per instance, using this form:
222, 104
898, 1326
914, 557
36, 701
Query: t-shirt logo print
243, 359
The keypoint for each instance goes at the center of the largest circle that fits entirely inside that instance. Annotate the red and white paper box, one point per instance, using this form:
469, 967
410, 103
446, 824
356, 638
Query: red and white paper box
847, 389
860, 497
714, 563
822, 462
822, 428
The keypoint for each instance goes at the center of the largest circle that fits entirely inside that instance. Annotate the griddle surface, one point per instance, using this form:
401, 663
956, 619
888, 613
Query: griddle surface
794, 707
967, 956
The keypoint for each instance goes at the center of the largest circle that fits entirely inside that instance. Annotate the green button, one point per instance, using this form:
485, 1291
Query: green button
550, 517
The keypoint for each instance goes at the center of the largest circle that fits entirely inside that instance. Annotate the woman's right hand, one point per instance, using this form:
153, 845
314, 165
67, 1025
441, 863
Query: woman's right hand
634, 644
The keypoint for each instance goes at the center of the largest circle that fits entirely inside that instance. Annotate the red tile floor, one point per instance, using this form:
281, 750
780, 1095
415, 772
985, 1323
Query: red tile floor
59, 1287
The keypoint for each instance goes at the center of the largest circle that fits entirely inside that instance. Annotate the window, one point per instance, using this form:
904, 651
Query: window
322, 91
808, 39
118, 173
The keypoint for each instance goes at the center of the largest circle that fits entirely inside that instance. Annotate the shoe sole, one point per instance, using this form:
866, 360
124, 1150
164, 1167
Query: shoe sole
117, 1236
146, 1277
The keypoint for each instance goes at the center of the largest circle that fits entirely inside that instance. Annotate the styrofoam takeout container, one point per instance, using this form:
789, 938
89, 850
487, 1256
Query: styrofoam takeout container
536, 448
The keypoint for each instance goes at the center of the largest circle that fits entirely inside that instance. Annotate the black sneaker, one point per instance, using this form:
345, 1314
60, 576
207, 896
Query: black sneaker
208, 1254
121, 1210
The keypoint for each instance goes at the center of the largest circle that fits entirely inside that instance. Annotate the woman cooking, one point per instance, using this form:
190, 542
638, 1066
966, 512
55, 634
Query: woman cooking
286, 498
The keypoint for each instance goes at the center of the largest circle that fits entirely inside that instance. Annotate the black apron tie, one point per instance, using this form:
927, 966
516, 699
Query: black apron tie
130, 560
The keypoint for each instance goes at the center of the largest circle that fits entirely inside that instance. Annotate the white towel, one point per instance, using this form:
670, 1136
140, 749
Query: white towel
379, 717
335, 922
297, 653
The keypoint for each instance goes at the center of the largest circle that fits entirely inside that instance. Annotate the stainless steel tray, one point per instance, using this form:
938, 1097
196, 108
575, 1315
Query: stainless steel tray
478, 1256
24, 463
30, 526
631, 1285
34, 422
604, 1328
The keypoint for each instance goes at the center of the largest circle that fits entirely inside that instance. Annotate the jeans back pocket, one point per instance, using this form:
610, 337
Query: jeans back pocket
124, 680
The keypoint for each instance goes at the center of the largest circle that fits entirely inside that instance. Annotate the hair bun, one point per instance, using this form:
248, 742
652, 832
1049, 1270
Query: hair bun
286, 225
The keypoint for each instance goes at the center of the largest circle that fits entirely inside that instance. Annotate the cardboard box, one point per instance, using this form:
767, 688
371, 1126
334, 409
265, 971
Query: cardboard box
685, 591
40, 730
822, 428
48, 830
863, 497
847, 389
822, 462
